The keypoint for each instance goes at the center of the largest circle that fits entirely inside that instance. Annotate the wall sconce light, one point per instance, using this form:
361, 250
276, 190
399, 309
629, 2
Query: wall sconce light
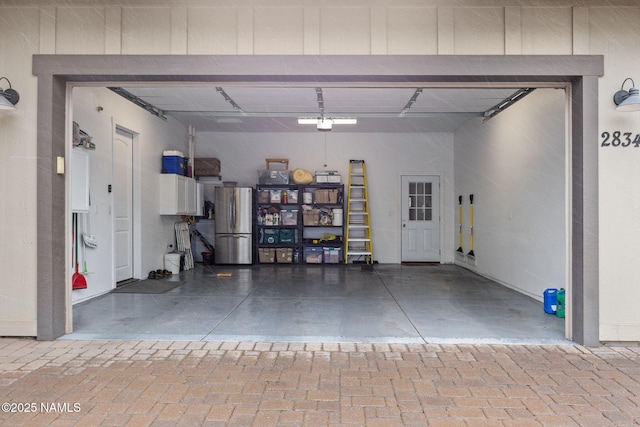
627, 101
8, 97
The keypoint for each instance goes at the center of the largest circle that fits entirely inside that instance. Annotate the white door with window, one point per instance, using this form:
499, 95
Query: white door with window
420, 218
123, 204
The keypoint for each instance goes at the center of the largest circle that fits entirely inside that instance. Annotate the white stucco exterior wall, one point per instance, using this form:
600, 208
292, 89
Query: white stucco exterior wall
329, 27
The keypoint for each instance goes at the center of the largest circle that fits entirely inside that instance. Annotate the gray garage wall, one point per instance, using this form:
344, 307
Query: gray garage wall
515, 166
387, 155
153, 232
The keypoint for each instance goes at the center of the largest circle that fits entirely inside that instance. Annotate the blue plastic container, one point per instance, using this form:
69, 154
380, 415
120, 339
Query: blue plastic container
550, 300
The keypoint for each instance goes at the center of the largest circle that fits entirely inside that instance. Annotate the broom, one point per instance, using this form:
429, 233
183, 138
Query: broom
77, 280
460, 223
471, 253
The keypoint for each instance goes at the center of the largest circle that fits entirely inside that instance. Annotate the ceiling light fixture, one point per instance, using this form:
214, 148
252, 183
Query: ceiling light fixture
8, 97
627, 101
326, 123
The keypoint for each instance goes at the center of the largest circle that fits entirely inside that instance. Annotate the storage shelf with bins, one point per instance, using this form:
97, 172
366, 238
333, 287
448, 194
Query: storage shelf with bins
299, 223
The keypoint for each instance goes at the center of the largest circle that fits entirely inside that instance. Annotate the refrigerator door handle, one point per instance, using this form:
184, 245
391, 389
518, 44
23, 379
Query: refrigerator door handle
230, 209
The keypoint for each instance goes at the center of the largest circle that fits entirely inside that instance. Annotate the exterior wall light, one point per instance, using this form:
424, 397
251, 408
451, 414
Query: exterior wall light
8, 97
627, 101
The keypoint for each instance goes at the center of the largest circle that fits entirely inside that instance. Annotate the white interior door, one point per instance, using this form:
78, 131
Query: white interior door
123, 204
420, 218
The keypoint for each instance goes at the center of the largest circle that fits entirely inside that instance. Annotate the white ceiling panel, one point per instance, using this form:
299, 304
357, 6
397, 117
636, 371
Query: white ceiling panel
389, 101
274, 99
183, 98
437, 100
275, 109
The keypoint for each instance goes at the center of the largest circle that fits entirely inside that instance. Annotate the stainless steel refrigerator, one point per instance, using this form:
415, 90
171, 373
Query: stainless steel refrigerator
233, 208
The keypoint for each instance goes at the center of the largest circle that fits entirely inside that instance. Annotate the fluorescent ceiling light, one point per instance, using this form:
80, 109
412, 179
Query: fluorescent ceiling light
335, 121
306, 121
324, 124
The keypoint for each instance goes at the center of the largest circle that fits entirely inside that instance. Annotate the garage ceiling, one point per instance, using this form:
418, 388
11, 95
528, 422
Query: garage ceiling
212, 108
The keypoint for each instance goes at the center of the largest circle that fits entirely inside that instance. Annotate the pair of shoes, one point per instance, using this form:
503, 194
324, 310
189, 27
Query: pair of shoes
157, 274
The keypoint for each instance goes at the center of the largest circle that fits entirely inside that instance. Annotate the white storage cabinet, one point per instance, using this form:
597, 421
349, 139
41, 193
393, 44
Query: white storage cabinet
177, 195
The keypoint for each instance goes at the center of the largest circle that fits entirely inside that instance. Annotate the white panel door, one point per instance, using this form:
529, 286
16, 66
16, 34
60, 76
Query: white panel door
123, 204
420, 218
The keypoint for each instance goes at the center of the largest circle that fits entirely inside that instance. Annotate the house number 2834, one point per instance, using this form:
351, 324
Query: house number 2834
619, 139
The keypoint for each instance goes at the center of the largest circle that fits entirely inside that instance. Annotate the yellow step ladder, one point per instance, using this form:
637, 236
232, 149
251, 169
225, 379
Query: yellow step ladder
358, 243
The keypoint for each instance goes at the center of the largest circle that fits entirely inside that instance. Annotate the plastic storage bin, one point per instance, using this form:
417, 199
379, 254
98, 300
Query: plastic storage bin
331, 255
267, 255
269, 236
313, 255
284, 255
287, 235
273, 177
289, 216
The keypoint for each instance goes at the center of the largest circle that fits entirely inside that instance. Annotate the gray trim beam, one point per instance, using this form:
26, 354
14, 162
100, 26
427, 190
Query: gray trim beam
51, 209
584, 212
55, 71
286, 67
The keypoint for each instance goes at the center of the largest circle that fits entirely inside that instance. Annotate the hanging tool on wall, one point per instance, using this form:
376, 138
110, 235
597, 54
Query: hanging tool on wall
77, 280
460, 224
87, 234
471, 253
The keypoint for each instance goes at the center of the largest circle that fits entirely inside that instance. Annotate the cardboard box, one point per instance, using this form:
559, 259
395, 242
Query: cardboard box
207, 166
311, 217
327, 196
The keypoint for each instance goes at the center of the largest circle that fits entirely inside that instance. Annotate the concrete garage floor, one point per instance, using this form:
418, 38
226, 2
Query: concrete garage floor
271, 303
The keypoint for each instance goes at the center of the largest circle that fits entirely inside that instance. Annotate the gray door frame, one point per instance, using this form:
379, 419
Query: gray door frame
579, 72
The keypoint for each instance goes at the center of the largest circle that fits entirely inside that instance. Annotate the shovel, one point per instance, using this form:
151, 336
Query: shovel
77, 281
